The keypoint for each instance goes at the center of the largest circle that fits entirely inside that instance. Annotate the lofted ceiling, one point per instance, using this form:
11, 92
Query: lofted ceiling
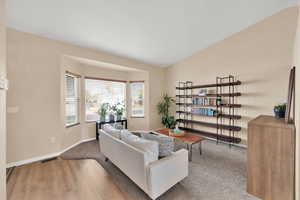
158, 32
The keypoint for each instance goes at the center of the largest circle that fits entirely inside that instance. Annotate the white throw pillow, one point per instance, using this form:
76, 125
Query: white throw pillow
112, 131
147, 146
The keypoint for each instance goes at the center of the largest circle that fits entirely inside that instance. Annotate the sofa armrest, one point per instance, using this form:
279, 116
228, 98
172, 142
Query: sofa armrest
166, 172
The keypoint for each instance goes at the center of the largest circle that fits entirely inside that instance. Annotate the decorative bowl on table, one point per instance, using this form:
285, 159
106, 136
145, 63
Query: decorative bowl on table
176, 132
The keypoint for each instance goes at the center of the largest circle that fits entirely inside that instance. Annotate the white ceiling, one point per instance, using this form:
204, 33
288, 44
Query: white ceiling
104, 64
159, 32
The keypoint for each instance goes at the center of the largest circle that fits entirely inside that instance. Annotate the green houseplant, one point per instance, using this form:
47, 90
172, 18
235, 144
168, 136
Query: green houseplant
163, 108
103, 110
119, 109
279, 110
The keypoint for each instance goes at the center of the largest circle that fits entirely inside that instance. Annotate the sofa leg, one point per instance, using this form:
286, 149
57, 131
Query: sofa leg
106, 159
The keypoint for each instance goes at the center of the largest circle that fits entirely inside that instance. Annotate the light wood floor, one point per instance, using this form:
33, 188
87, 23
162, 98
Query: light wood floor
62, 180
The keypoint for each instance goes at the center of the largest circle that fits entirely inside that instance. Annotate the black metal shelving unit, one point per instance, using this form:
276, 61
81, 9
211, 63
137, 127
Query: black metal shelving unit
225, 111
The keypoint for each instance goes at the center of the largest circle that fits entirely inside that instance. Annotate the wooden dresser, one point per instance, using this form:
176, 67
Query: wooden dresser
271, 158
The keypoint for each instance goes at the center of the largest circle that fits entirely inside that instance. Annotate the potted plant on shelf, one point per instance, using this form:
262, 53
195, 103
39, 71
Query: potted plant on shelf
103, 110
163, 108
279, 110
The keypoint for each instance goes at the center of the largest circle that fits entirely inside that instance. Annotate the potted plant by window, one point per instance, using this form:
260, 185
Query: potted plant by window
163, 108
111, 112
279, 110
119, 109
103, 110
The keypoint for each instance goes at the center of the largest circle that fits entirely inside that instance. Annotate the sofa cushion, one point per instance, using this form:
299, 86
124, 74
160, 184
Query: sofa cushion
112, 130
166, 144
147, 146
126, 135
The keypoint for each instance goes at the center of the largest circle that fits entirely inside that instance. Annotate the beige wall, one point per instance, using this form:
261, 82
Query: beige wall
259, 56
297, 119
35, 98
2, 102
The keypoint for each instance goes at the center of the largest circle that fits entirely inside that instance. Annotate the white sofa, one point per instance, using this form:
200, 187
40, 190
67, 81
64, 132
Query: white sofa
153, 178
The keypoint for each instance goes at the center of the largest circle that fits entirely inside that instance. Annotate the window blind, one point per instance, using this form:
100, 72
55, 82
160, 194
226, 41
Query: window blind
71, 100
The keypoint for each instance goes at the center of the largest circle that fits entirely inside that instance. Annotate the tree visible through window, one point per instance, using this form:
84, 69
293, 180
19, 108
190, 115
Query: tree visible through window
71, 100
99, 92
137, 99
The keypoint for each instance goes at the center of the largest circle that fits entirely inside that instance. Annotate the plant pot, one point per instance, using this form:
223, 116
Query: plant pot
102, 118
111, 118
119, 117
279, 113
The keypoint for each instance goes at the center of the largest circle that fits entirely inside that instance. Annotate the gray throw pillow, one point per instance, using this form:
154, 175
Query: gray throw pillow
166, 144
118, 126
112, 130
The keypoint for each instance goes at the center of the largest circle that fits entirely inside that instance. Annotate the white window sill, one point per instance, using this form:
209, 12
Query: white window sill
71, 125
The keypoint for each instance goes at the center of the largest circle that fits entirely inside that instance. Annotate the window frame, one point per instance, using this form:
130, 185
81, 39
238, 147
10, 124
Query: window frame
75, 99
107, 80
131, 99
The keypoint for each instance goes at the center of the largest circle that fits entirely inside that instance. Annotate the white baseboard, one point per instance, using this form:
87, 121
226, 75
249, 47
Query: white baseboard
77, 143
47, 156
31, 160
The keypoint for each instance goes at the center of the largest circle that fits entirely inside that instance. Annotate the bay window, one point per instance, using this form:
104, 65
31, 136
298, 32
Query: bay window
137, 98
102, 91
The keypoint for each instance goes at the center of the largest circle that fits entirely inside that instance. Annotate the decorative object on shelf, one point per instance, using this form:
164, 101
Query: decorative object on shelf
223, 98
202, 92
163, 108
279, 110
219, 101
203, 111
103, 110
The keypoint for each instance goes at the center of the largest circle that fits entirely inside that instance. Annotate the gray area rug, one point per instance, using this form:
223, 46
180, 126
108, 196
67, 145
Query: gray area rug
218, 174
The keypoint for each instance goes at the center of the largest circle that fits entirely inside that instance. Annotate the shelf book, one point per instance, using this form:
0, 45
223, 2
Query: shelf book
210, 106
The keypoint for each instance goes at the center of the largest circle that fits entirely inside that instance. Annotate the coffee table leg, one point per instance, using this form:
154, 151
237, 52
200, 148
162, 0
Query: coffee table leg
200, 147
190, 149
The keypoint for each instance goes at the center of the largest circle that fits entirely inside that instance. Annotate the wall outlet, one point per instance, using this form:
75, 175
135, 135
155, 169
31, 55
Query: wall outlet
52, 139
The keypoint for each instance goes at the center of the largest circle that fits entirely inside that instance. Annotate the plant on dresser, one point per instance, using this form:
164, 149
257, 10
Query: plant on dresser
279, 110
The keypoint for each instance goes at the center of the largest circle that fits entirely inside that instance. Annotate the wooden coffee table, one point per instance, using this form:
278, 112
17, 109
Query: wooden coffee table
189, 139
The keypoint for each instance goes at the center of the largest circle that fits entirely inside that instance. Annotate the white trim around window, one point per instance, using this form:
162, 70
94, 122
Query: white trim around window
137, 97
72, 100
